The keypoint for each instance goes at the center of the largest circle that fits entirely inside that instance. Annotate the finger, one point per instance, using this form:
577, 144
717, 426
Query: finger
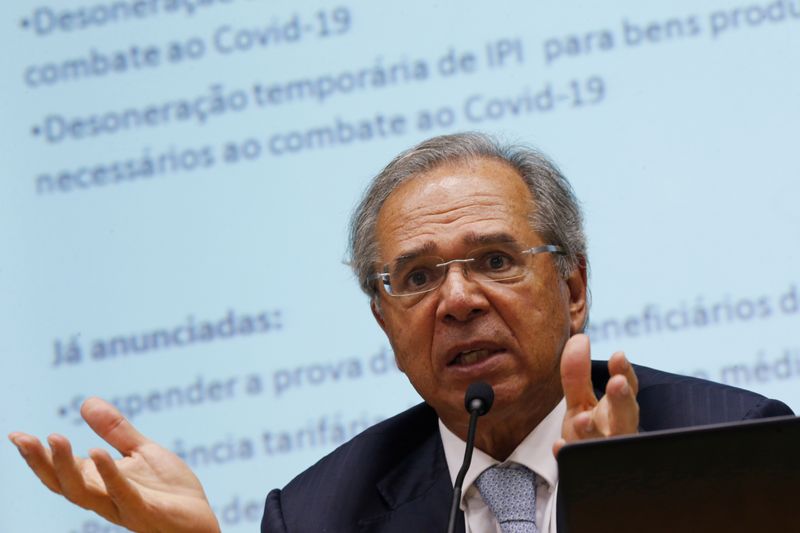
126, 497
64, 466
38, 459
114, 428
576, 373
557, 445
584, 427
619, 364
74, 477
579, 426
623, 410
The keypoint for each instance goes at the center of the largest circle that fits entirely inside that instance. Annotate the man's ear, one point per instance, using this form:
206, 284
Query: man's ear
578, 297
375, 306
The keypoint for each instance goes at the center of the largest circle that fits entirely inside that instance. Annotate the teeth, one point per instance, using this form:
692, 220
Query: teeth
472, 356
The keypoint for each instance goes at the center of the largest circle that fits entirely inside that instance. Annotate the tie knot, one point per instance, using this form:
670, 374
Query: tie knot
510, 492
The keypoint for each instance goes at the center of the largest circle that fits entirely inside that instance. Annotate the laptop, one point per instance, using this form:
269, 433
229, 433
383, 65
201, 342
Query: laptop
739, 477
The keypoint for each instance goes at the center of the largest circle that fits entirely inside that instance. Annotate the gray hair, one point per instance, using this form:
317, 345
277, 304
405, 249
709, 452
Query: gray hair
556, 214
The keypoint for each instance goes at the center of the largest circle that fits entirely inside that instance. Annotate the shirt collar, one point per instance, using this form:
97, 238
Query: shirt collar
534, 452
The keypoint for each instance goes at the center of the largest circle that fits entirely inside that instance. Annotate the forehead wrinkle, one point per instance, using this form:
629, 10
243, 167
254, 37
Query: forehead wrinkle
423, 232
408, 218
417, 214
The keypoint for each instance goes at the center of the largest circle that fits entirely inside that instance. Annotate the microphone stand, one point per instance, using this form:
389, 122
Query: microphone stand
477, 401
473, 424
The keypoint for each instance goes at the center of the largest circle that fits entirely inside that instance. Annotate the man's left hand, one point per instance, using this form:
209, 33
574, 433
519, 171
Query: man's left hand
616, 413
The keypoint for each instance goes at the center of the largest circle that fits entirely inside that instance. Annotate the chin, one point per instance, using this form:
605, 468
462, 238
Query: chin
516, 396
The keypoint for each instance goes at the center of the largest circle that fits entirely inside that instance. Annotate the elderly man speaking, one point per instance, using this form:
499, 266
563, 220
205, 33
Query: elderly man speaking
474, 259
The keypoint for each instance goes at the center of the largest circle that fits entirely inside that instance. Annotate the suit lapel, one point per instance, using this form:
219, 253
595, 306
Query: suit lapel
417, 493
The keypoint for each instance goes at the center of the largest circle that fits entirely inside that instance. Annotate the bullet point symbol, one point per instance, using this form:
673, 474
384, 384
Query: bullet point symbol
35, 130
24, 23
62, 411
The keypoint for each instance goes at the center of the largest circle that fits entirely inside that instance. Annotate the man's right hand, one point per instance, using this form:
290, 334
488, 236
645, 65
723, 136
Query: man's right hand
150, 489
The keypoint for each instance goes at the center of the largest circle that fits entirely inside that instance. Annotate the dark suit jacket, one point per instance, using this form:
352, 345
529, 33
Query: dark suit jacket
394, 477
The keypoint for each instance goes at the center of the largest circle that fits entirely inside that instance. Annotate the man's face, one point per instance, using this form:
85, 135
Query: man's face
509, 334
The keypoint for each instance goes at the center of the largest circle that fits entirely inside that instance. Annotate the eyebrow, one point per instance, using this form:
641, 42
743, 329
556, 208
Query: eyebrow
480, 239
471, 239
426, 248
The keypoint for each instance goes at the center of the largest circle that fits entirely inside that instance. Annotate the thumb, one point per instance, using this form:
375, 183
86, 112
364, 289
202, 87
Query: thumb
111, 425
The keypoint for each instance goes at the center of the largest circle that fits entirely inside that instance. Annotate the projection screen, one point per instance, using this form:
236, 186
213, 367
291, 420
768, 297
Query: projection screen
178, 174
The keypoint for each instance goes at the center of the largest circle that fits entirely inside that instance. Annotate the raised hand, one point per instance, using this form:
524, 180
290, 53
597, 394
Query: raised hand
616, 413
150, 489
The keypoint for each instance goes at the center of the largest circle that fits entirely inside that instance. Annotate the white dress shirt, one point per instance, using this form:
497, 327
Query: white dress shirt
534, 452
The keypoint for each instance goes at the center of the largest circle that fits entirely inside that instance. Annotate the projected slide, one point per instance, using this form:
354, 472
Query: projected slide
177, 177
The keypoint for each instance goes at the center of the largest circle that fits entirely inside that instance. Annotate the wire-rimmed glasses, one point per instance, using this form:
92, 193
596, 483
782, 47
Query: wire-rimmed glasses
414, 275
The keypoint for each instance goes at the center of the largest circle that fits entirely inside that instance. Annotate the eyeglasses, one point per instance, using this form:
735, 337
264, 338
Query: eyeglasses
496, 263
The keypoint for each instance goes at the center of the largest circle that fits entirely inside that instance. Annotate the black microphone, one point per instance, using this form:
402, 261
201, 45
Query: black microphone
478, 400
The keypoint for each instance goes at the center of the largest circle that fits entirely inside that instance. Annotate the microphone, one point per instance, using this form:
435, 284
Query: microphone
478, 400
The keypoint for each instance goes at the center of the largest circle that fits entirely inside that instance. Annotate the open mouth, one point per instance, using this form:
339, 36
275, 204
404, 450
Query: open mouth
470, 357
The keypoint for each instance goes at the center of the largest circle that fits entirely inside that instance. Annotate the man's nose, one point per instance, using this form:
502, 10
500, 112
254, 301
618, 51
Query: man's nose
460, 298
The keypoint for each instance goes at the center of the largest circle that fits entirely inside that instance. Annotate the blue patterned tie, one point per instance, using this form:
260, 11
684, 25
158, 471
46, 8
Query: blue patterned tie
510, 492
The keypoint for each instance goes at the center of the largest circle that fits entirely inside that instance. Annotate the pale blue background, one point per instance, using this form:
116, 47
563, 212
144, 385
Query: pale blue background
687, 169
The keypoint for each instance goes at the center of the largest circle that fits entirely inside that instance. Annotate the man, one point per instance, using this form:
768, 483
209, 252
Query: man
474, 259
